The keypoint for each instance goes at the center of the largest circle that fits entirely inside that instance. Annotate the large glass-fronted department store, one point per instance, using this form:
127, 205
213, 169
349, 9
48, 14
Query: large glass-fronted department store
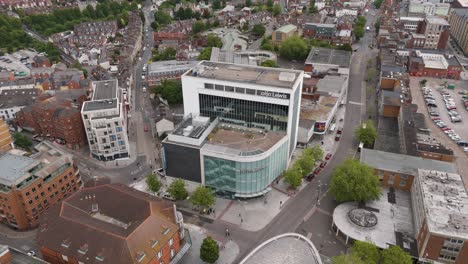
239, 130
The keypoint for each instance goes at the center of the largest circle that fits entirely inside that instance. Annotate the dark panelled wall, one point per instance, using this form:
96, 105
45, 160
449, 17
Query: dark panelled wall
182, 162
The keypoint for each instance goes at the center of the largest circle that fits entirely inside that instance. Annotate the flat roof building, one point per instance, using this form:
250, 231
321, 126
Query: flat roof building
236, 116
322, 60
247, 57
6, 141
29, 185
167, 70
105, 121
440, 205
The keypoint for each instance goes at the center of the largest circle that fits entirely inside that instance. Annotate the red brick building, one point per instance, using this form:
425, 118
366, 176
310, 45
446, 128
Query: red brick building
29, 185
111, 224
433, 63
56, 117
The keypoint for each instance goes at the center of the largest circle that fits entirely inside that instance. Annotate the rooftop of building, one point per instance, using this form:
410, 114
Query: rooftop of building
403, 164
382, 222
276, 77
248, 57
322, 25
312, 110
415, 19
437, 20
108, 223
14, 167
18, 257
446, 203
241, 141
392, 98
288, 248
170, 65
105, 96
331, 84
319, 55
461, 11
287, 28
18, 97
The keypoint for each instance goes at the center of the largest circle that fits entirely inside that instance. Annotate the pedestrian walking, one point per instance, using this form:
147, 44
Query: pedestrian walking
242, 220
214, 213
281, 204
227, 234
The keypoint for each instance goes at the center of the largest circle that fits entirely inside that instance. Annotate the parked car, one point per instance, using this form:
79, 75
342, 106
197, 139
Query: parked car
317, 171
462, 143
323, 164
31, 253
167, 196
433, 113
310, 177
328, 156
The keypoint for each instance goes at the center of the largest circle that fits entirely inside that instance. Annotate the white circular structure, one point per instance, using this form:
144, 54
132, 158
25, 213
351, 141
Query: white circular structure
288, 248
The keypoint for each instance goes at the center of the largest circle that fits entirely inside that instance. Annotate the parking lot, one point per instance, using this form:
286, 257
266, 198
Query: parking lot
13, 62
461, 157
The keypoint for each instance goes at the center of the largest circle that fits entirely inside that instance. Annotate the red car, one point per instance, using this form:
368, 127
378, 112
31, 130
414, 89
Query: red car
323, 164
328, 156
317, 171
339, 131
310, 177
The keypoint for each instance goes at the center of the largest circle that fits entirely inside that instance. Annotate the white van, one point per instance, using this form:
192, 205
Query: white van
332, 127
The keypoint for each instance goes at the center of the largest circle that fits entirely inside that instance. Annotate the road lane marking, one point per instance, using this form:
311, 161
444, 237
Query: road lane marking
355, 103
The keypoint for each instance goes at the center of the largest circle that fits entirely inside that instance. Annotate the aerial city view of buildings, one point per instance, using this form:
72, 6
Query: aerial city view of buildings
243, 131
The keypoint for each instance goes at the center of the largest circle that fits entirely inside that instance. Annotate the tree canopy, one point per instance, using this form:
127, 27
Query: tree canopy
213, 41
294, 48
153, 183
293, 176
363, 252
367, 252
209, 250
368, 134
259, 29
168, 53
161, 18
395, 254
171, 90
303, 166
378, 3
22, 141
276, 10
354, 181
359, 27
269, 63
205, 54
177, 190
203, 197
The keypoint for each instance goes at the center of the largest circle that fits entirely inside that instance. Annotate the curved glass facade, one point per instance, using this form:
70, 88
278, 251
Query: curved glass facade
244, 178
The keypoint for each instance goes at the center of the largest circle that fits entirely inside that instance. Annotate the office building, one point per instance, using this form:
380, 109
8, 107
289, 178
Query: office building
436, 31
440, 210
105, 122
458, 27
432, 63
319, 31
424, 8
283, 33
112, 224
30, 185
6, 142
240, 128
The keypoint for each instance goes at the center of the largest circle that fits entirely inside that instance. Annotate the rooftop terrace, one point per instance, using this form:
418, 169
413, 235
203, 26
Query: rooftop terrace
446, 203
282, 78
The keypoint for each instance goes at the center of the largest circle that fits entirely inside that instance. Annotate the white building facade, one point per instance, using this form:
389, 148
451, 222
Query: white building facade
105, 122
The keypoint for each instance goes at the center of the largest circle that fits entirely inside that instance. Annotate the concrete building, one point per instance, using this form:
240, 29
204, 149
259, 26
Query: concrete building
6, 142
240, 127
288, 248
319, 31
283, 33
167, 70
112, 224
397, 170
319, 107
56, 115
323, 60
425, 8
105, 121
410, 23
12, 101
440, 205
30, 185
436, 31
248, 57
164, 126
458, 27
9, 255
460, 4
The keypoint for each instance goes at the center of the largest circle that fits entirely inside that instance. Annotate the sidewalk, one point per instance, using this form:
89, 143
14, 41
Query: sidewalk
228, 249
10, 233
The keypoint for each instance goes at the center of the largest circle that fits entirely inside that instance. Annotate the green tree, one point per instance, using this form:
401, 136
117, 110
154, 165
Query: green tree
269, 4
293, 176
153, 183
171, 90
276, 10
367, 135
22, 141
216, 5
213, 41
269, 63
162, 18
202, 197
312, 8
367, 252
177, 190
209, 250
354, 181
394, 254
259, 30
346, 47
347, 259
198, 27
248, 3
205, 54
294, 48
315, 152
378, 3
